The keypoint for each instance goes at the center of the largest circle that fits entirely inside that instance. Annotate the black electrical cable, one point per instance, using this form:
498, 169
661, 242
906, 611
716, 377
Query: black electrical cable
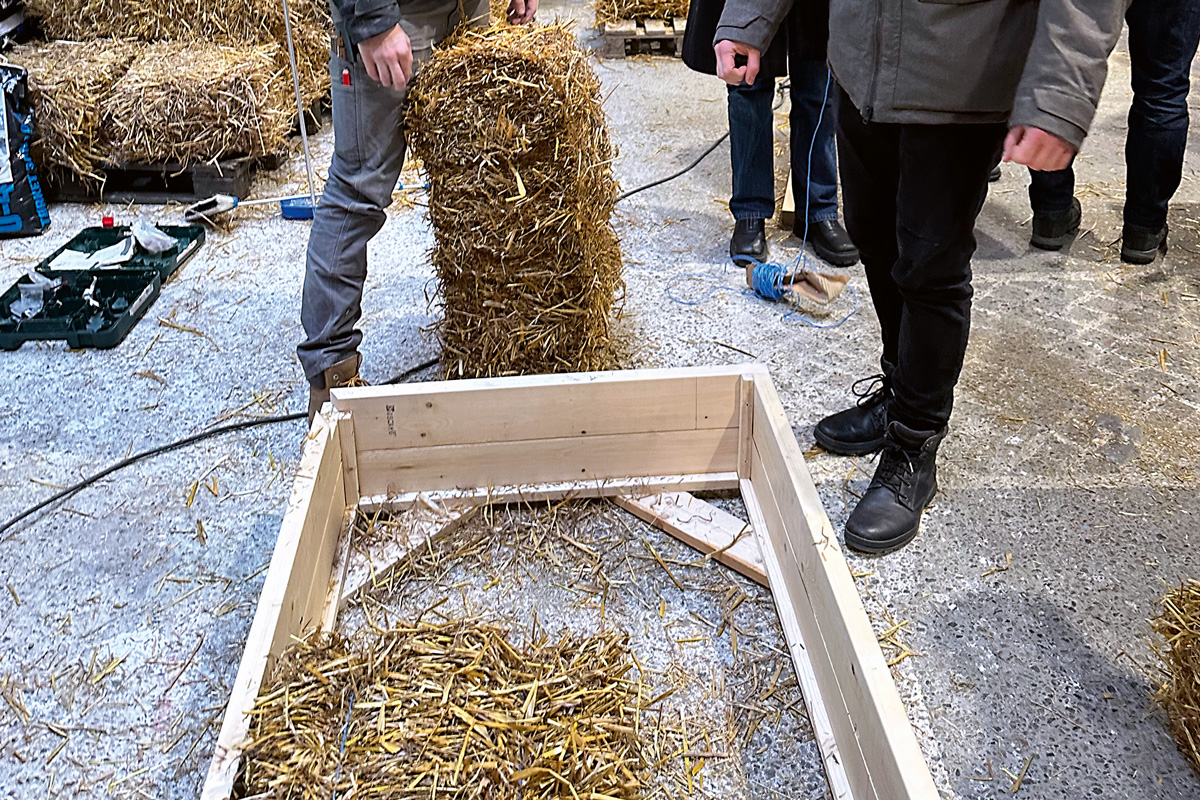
781, 89
176, 445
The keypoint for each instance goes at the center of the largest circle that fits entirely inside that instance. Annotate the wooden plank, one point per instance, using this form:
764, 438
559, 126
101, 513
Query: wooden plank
541, 407
680, 25
369, 566
337, 573
349, 457
703, 526
542, 492
293, 594
818, 705
656, 27
591, 458
745, 425
822, 591
787, 213
839, 743
623, 27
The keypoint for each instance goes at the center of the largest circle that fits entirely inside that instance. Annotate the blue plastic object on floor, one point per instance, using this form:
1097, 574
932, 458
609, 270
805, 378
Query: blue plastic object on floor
296, 208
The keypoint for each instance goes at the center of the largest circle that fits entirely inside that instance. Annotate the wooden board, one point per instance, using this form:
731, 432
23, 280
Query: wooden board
540, 407
371, 565
557, 490
876, 742
157, 183
294, 591
701, 525
590, 458
787, 211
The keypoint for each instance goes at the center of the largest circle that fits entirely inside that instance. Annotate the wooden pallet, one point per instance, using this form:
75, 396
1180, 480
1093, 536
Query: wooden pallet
161, 183
645, 436
651, 37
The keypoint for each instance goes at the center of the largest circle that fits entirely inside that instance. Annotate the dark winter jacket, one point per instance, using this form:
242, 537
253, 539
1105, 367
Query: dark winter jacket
803, 33
362, 19
1040, 63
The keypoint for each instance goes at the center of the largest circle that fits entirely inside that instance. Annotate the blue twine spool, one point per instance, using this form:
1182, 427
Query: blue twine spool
767, 280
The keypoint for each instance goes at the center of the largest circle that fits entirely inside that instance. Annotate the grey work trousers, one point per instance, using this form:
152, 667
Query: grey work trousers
368, 155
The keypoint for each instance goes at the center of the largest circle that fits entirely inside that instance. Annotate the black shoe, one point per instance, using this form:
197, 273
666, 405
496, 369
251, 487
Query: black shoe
1142, 247
749, 240
830, 240
1052, 231
889, 515
995, 174
862, 428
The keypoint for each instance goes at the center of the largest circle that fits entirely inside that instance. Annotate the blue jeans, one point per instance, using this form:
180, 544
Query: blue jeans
752, 144
1163, 36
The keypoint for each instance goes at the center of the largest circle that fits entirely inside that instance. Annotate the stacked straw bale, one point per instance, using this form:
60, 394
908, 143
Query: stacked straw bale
1179, 693
188, 101
509, 125
67, 82
232, 23
614, 10
450, 710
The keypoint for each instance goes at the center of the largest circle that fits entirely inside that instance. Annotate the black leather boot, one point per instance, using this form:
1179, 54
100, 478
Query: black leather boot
889, 515
1053, 231
830, 241
862, 428
749, 240
1142, 247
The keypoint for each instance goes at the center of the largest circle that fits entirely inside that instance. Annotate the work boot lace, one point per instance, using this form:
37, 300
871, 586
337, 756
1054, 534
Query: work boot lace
895, 467
871, 390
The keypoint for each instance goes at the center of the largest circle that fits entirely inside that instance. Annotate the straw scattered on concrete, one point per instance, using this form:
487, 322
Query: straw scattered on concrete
67, 82
614, 10
449, 710
509, 125
1179, 693
189, 102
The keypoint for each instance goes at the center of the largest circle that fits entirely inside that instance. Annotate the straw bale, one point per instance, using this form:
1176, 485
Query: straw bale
191, 102
230, 22
1179, 692
67, 82
509, 125
449, 710
613, 10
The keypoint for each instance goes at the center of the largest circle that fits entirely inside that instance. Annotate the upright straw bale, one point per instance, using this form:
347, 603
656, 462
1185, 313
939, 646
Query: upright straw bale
67, 82
192, 102
231, 23
613, 10
509, 125
1179, 692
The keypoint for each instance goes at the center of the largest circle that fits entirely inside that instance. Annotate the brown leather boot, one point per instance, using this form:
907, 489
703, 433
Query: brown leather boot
340, 374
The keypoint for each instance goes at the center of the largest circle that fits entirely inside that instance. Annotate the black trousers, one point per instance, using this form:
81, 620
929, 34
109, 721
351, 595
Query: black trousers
910, 195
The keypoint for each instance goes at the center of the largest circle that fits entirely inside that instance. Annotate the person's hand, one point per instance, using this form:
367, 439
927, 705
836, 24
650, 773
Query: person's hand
388, 58
727, 69
521, 12
1037, 149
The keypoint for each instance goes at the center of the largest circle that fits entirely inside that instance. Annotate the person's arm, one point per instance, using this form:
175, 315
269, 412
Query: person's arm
746, 28
1064, 75
521, 12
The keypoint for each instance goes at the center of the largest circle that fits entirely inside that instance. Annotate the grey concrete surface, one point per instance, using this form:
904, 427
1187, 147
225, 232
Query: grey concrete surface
1073, 448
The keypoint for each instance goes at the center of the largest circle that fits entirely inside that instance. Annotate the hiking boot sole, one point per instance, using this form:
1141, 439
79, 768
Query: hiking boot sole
876, 547
1055, 243
1143, 256
844, 448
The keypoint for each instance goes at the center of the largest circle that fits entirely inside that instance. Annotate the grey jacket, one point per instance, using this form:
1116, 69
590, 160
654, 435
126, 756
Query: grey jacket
357, 20
1040, 63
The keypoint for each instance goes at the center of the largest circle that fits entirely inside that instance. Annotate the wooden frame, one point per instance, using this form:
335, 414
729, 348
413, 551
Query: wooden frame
625, 435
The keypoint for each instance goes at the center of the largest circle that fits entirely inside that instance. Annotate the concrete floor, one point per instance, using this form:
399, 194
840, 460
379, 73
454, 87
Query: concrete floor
1073, 449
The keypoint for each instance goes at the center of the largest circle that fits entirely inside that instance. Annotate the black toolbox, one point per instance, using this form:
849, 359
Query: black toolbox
96, 307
